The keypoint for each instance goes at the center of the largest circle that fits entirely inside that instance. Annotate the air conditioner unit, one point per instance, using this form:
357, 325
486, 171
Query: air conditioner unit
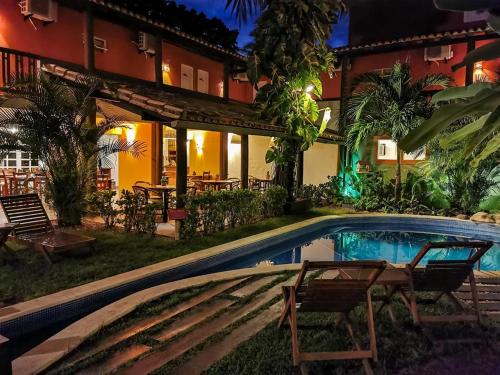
44, 10
146, 43
100, 44
242, 77
475, 16
438, 53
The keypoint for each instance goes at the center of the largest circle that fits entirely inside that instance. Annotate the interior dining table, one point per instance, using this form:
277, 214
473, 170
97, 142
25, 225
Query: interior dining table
165, 191
216, 184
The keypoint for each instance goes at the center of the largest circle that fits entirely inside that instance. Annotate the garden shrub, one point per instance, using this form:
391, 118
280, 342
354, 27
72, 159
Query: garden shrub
213, 211
102, 204
419, 195
138, 215
323, 194
274, 200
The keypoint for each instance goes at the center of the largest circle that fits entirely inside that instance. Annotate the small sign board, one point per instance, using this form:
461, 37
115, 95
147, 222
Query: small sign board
177, 214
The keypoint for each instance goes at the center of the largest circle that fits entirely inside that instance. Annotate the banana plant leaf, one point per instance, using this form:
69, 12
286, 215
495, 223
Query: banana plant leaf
464, 132
492, 146
460, 92
484, 102
490, 127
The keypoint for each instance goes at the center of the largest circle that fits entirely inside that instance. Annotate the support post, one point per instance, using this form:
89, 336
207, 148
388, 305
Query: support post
244, 161
227, 72
223, 155
158, 140
5, 359
469, 68
88, 38
345, 91
158, 60
300, 168
181, 170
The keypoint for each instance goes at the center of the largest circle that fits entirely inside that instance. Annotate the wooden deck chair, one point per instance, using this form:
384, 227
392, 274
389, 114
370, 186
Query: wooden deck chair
34, 228
338, 295
441, 277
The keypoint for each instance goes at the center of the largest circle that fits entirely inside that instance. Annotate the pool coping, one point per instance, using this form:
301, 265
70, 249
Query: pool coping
54, 300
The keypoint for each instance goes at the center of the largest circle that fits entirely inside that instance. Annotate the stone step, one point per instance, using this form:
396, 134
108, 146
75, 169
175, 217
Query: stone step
161, 357
252, 287
191, 320
117, 337
114, 361
481, 296
207, 357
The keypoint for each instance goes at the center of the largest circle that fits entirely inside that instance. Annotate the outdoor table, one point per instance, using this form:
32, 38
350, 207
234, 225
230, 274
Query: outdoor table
5, 230
264, 183
165, 191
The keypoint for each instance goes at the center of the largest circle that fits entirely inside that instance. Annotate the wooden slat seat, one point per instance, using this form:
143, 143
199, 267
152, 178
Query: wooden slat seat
348, 289
34, 227
441, 277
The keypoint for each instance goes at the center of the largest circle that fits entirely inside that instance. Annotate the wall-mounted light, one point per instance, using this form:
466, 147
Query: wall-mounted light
165, 68
198, 139
327, 116
221, 89
130, 132
234, 145
479, 74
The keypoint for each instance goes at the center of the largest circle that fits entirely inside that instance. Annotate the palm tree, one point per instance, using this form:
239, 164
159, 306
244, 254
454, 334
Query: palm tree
54, 121
389, 104
243, 9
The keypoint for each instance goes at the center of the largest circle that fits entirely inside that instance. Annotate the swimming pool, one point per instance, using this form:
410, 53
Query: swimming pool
357, 244
395, 238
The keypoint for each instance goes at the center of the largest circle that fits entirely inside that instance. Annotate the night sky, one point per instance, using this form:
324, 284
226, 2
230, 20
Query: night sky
215, 8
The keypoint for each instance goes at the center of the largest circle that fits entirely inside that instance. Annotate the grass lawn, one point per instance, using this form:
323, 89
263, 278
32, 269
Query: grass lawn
115, 253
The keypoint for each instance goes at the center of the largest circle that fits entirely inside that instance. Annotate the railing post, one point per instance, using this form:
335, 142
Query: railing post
5, 360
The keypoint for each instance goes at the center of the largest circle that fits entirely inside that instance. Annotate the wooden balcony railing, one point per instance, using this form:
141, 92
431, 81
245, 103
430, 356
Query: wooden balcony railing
16, 65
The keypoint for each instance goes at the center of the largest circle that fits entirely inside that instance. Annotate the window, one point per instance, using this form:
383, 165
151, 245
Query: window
20, 160
386, 152
203, 81
186, 77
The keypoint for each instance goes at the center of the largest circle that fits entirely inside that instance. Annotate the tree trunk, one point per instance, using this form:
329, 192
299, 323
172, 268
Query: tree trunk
397, 186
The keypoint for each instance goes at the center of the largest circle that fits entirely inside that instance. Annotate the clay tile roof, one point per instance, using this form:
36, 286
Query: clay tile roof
182, 105
417, 39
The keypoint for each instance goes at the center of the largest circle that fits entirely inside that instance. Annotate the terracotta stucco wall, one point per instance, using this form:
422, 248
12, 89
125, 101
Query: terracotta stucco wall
122, 56
60, 40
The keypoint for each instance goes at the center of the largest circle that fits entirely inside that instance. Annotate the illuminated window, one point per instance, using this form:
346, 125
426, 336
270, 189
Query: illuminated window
387, 151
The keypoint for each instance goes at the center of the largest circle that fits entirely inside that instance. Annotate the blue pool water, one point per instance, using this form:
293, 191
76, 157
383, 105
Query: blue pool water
349, 244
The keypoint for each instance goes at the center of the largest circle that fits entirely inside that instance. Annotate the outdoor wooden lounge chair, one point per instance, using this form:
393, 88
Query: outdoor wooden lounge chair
349, 289
34, 228
439, 277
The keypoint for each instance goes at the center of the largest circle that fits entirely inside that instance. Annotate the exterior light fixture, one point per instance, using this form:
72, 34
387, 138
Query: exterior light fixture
165, 68
479, 74
130, 132
199, 143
